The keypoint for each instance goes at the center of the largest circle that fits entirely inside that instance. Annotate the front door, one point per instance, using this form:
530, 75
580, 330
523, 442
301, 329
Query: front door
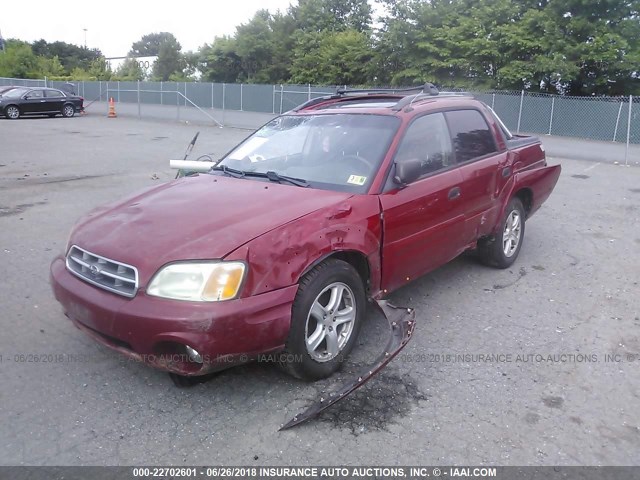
34, 102
423, 222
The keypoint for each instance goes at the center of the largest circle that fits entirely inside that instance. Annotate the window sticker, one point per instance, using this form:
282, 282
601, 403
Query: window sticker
357, 180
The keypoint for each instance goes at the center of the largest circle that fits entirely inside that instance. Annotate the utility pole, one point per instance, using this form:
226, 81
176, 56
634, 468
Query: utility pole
85, 37
1, 43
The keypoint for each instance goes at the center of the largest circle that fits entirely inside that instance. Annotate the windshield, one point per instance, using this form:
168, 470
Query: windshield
334, 152
15, 93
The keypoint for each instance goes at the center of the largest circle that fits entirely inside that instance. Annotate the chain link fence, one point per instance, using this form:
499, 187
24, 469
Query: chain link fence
598, 118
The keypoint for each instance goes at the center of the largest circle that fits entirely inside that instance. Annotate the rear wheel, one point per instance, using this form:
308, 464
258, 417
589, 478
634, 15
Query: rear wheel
68, 111
502, 249
326, 317
12, 112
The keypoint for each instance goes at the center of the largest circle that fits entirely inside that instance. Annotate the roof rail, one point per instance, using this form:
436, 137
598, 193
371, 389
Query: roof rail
427, 89
411, 99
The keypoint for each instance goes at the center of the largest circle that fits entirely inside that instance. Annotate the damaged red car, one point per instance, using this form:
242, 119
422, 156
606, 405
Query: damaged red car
278, 247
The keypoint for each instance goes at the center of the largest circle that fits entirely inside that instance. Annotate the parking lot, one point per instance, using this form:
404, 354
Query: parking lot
538, 364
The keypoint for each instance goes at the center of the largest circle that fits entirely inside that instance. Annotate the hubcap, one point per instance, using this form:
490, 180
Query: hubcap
330, 322
511, 234
13, 112
68, 111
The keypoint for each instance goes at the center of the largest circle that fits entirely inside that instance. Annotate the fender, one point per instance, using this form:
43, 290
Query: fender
540, 181
280, 257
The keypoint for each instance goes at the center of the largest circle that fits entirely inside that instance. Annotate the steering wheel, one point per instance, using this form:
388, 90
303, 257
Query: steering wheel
357, 159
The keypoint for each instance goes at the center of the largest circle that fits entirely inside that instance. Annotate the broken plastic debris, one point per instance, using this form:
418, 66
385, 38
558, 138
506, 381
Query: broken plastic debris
398, 339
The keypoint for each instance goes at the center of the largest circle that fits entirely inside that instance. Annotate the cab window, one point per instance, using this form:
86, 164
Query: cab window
471, 135
427, 139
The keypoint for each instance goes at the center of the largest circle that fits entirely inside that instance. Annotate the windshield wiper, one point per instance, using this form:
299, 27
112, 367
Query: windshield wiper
229, 171
270, 175
276, 177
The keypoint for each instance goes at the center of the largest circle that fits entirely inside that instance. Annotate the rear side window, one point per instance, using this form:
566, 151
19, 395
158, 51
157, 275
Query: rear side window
54, 93
470, 134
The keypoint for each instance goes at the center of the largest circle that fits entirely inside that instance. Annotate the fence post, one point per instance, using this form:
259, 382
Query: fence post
177, 102
139, 113
274, 100
45, 81
553, 104
615, 131
240, 97
224, 94
493, 101
185, 94
281, 97
309, 96
212, 96
118, 91
161, 94
626, 152
520, 112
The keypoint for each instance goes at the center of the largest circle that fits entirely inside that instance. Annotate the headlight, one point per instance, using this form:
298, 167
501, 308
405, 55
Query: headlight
198, 282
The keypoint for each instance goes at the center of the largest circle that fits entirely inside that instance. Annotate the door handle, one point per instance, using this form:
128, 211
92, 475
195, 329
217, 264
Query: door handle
506, 171
42, 101
454, 193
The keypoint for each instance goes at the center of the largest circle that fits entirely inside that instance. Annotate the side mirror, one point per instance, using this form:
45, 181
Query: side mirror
407, 171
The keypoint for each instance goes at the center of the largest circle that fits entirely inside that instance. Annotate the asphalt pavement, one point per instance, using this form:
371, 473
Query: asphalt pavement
538, 364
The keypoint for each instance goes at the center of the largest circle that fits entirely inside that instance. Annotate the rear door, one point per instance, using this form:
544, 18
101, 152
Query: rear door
55, 100
481, 166
423, 222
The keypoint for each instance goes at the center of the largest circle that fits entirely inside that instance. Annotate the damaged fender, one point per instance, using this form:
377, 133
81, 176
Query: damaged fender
401, 323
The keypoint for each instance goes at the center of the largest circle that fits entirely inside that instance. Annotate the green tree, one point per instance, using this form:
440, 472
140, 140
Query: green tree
220, 62
130, 70
170, 60
70, 56
19, 61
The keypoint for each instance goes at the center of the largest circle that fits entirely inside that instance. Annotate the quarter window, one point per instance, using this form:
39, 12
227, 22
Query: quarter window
471, 135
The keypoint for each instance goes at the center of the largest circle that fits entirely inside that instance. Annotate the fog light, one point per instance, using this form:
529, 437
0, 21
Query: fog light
194, 356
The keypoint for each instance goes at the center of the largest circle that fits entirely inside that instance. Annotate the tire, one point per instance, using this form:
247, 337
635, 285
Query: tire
325, 320
502, 249
12, 112
68, 111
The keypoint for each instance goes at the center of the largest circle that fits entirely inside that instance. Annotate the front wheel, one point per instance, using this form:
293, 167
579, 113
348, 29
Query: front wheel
326, 317
12, 112
502, 250
68, 111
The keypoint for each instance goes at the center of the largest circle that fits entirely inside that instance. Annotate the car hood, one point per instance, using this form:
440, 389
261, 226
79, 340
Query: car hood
201, 217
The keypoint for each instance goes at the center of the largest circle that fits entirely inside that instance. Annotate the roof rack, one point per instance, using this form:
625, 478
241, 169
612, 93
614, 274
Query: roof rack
426, 89
411, 99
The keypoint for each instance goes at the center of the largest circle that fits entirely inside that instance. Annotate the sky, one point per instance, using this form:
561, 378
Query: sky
113, 25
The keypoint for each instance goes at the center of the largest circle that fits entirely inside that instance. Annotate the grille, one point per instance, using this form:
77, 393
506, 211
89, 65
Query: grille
102, 272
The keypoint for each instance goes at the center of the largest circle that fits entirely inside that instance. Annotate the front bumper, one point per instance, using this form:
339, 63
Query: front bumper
150, 329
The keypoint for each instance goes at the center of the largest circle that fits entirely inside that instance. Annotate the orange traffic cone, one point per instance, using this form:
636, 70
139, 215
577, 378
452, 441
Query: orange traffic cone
112, 109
